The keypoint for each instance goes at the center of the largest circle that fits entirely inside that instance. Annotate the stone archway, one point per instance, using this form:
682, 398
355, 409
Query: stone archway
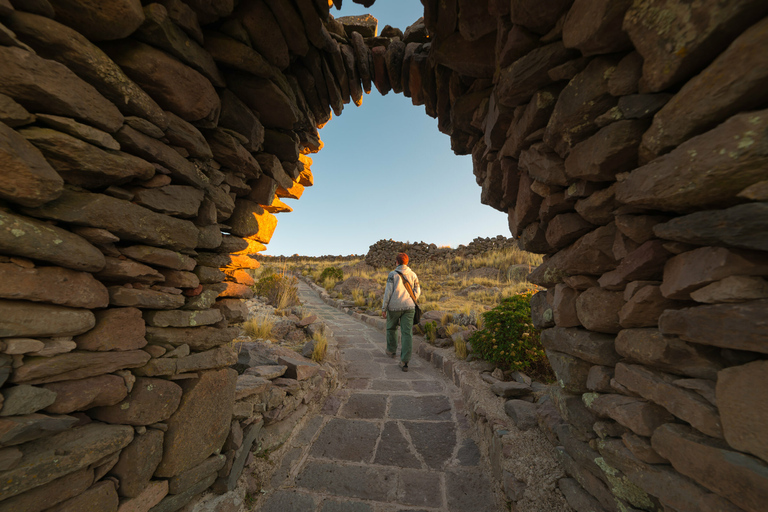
613, 135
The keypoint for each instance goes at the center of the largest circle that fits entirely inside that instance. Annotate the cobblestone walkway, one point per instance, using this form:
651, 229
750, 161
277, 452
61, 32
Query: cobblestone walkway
388, 441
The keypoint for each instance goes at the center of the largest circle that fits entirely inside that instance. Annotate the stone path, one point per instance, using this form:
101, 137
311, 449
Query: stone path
389, 441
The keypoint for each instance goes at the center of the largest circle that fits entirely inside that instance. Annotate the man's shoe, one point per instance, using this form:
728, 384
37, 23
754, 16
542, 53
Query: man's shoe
404, 366
390, 354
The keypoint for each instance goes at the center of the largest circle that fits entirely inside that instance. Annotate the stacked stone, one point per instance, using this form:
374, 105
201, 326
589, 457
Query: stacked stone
623, 138
626, 142
383, 253
135, 187
271, 397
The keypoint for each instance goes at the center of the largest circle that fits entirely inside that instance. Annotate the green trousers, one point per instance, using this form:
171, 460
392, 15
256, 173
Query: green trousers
405, 319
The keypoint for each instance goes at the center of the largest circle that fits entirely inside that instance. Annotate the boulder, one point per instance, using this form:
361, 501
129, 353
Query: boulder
179, 133
598, 310
742, 407
249, 220
23, 319
58, 42
583, 99
50, 494
25, 399
733, 475
160, 31
264, 32
52, 284
732, 289
180, 318
101, 496
53, 457
177, 200
708, 27
76, 365
143, 298
45, 86
540, 18
707, 171
123, 218
518, 82
595, 27
192, 438
198, 338
116, 329
180, 483
571, 372
81, 131
694, 269
591, 346
658, 387
275, 108
152, 494
612, 150
82, 394
173, 85
739, 226
150, 401
645, 307
639, 416
235, 115
128, 271
100, 21
26, 178
470, 58
85, 165
733, 326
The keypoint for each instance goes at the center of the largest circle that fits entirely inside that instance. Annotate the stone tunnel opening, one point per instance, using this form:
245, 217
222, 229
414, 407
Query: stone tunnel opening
626, 141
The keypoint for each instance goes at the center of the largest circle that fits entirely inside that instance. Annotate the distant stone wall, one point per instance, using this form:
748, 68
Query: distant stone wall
146, 149
384, 252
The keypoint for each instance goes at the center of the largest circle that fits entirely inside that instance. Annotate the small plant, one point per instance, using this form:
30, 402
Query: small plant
335, 273
446, 319
452, 329
280, 290
358, 297
321, 347
374, 302
259, 328
430, 331
460, 345
509, 339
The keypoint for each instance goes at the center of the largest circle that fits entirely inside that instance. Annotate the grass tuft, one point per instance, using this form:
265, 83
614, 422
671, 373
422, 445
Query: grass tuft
321, 347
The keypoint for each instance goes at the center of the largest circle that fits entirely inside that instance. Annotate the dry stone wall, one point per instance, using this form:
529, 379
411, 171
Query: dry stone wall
383, 253
146, 148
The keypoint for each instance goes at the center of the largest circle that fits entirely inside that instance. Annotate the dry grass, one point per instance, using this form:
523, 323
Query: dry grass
259, 327
359, 298
440, 280
460, 346
321, 347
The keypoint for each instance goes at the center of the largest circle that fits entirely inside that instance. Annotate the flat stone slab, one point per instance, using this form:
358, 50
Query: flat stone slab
393, 449
468, 490
287, 501
430, 407
367, 483
352, 440
435, 442
365, 406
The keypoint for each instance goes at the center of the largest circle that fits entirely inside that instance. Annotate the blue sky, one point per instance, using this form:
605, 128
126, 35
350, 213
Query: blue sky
385, 172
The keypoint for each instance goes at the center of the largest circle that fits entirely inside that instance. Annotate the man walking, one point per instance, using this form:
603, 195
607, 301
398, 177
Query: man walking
399, 306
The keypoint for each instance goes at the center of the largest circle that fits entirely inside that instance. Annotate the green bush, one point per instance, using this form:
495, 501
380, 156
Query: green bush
280, 290
332, 273
430, 331
509, 339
